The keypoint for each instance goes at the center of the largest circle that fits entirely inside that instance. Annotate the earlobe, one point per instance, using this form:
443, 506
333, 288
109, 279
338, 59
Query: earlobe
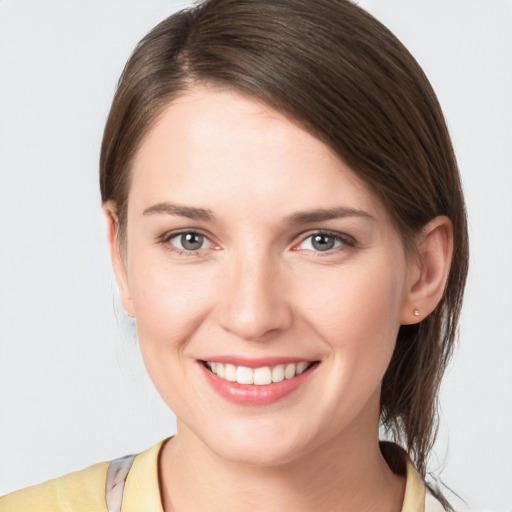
118, 262
429, 271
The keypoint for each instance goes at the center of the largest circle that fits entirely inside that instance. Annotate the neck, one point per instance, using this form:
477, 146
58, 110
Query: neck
347, 473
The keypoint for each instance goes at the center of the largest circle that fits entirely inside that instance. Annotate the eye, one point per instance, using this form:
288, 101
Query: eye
323, 242
188, 241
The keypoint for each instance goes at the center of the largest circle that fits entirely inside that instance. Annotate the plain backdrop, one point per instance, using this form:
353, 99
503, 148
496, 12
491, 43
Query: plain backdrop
73, 389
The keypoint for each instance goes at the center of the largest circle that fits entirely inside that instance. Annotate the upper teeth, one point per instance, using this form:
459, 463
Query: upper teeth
258, 376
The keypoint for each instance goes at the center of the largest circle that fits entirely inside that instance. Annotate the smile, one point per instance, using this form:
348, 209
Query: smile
262, 376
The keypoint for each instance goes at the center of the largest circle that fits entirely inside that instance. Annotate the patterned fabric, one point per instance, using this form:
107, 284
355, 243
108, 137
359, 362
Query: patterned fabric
116, 479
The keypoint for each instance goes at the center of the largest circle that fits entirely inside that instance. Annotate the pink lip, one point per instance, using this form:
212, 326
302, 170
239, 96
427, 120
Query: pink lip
246, 394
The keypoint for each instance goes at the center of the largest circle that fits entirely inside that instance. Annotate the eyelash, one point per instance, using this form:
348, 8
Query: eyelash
345, 240
166, 241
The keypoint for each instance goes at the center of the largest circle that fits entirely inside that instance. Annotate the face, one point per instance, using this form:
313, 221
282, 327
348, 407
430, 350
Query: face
267, 282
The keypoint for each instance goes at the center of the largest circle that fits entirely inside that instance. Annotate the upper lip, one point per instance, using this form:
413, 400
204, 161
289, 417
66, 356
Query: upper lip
256, 362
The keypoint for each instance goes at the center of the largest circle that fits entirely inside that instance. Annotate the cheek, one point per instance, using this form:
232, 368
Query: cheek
170, 305
357, 321
170, 302
357, 314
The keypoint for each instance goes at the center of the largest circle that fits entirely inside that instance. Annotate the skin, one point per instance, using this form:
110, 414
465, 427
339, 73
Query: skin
257, 287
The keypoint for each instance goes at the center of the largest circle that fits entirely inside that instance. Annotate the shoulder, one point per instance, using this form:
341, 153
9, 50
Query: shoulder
91, 488
417, 496
79, 491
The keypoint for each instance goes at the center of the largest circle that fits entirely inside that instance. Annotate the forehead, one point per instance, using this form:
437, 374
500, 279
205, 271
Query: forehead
217, 145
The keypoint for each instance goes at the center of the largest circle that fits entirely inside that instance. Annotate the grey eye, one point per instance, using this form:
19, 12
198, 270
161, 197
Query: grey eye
191, 241
322, 242
188, 241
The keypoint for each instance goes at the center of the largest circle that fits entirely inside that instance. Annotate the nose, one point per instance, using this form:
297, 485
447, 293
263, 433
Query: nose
253, 305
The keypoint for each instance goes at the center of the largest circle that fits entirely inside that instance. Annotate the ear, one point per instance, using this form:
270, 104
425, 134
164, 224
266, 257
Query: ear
429, 271
118, 261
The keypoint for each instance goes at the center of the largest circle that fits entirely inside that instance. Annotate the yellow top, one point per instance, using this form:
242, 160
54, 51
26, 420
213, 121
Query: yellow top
84, 491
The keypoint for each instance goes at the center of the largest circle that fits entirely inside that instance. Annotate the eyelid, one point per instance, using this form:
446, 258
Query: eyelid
166, 238
175, 232
346, 240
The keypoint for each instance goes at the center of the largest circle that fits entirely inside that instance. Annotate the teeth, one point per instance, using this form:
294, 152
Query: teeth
257, 376
244, 375
230, 372
278, 373
301, 367
262, 376
290, 370
220, 370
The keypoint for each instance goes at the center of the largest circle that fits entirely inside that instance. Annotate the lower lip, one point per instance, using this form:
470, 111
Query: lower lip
246, 394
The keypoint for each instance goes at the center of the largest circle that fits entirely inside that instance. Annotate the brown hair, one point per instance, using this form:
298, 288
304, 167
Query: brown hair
337, 71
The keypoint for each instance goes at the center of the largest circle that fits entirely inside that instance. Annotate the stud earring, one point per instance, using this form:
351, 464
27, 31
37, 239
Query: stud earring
416, 312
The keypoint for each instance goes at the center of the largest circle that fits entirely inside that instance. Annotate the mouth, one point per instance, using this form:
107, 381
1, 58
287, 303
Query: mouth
261, 376
254, 383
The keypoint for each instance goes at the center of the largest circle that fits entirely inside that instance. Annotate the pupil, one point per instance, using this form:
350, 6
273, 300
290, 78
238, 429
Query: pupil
191, 241
323, 242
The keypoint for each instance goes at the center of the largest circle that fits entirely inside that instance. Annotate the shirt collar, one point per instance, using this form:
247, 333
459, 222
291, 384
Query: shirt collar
142, 489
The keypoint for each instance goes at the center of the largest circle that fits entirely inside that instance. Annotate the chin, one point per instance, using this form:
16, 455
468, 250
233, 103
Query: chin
261, 455
258, 446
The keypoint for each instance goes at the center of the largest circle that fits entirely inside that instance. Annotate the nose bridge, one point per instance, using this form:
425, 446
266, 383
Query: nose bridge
254, 303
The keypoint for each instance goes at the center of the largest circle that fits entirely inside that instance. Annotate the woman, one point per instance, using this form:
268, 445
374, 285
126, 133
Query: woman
287, 228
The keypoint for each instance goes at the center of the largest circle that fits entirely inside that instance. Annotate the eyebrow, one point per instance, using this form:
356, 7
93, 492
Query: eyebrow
181, 211
326, 214
305, 217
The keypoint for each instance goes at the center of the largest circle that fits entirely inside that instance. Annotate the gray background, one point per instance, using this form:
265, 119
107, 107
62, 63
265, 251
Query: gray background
73, 390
